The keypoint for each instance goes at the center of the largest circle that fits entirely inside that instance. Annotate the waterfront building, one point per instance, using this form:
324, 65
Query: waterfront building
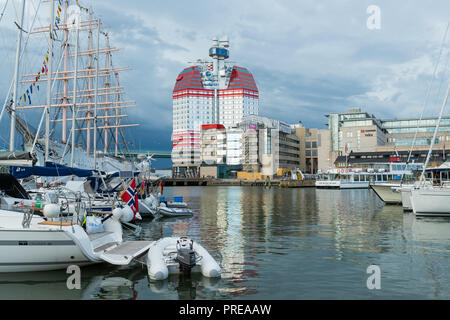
209, 92
268, 145
234, 145
309, 139
357, 132
381, 160
213, 144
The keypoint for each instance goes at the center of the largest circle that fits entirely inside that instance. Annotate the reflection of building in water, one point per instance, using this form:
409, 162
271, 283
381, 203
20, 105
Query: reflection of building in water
274, 211
355, 220
221, 209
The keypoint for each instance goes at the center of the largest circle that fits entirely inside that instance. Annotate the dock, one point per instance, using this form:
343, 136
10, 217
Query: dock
172, 182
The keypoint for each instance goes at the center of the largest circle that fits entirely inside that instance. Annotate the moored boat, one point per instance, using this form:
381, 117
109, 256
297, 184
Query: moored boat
180, 255
430, 201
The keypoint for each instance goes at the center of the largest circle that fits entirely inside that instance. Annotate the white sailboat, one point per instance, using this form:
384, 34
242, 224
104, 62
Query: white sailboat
431, 200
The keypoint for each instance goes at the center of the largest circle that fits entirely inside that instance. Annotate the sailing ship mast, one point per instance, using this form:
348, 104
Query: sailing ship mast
16, 82
49, 83
86, 99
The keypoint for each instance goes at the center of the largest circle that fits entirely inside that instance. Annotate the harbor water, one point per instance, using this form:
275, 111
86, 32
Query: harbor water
303, 243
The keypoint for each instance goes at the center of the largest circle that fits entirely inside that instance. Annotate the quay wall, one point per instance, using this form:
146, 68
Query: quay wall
235, 182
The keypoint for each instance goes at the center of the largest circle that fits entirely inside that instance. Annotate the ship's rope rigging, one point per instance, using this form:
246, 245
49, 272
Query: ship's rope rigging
3, 10
21, 125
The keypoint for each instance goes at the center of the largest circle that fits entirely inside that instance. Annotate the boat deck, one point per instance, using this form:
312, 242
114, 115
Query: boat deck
126, 252
129, 247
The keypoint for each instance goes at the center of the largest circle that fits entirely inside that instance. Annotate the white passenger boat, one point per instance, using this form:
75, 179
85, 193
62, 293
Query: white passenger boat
355, 180
333, 184
328, 180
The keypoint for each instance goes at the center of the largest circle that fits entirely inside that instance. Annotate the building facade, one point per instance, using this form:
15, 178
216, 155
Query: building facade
213, 144
359, 133
268, 145
210, 92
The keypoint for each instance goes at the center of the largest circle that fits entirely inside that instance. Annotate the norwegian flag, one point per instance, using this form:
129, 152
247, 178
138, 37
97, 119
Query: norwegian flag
130, 196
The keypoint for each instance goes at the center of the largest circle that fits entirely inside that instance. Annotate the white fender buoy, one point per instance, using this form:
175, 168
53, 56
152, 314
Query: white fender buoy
159, 263
115, 227
51, 210
117, 214
127, 214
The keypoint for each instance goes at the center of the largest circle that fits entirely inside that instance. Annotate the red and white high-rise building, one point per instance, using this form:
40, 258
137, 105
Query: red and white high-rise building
210, 92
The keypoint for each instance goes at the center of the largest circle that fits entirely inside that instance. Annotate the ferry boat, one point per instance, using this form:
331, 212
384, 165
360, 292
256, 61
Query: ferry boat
381, 181
345, 180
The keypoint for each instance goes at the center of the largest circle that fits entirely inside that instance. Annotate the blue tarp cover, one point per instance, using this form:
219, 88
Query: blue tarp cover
51, 169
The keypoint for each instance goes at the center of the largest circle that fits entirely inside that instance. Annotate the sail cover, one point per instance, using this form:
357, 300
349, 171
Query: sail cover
22, 158
51, 169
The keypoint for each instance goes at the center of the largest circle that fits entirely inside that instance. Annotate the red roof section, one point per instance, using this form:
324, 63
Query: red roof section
212, 126
189, 78
241, 78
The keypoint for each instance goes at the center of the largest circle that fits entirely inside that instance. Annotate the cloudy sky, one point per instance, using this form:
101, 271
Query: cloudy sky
308, 57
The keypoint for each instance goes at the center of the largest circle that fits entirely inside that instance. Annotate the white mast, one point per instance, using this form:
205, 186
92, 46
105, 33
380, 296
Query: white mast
107, 85
89, 113
74, 97
16, 79
422, 178
96, 94
49, 87
65, 81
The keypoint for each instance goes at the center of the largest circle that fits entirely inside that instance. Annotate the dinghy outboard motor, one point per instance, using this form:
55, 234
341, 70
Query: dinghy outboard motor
185, 255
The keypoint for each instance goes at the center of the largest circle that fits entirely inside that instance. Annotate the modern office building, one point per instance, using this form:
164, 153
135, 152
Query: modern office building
213, 144
234, 150
356, 132
209, 92
310, 140
268, 145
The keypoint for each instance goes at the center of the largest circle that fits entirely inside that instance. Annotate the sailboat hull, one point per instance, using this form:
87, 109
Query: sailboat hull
431, 201
33, 250
388, 193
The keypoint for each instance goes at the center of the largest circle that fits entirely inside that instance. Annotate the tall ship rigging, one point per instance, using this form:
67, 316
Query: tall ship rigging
78, 114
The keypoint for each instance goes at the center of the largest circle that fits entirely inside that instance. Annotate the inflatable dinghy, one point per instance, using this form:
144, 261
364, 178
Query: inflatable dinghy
172, 204
165, 211
179, 255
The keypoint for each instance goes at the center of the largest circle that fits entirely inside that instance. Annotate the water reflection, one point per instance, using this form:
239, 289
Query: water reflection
186, 288
97, 282
276, 244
